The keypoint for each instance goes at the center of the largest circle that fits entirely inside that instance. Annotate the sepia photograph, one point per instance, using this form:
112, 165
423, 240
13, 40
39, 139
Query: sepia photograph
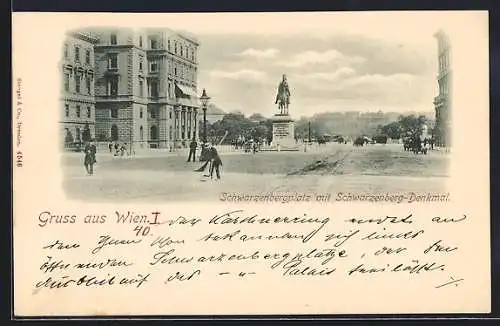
165, 114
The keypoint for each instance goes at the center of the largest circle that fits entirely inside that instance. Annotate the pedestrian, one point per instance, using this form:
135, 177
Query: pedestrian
117, 146
216, 162
110, 145
192, 150
90, 159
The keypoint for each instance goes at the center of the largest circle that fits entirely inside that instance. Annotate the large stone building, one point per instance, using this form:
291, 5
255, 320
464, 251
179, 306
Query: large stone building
442, 102
77, 88
146, 87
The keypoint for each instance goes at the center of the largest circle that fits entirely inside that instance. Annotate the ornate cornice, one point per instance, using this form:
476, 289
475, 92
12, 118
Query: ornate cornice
85, 36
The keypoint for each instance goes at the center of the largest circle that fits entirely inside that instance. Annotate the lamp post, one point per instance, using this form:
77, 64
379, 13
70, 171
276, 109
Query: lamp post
309, 132
204, 101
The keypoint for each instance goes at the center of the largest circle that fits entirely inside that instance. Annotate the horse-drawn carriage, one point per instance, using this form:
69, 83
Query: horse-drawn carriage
415, 145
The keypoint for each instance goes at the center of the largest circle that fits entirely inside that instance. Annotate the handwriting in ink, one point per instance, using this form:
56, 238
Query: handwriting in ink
453, 281
439, 247
380, 220
439, 219
51, 265
60, 245
168, 257
106, 240
377, 235
161, 242
181, 277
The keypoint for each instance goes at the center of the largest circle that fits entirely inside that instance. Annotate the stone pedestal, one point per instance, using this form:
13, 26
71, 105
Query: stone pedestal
284, 133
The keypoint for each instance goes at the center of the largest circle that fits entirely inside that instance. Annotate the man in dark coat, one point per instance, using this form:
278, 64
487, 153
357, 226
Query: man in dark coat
216, 162
192, 150
89, 160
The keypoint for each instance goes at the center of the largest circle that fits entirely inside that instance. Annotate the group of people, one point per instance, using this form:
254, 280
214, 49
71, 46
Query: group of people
117, 149
208, 154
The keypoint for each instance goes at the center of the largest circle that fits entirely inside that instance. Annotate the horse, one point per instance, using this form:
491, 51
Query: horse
283, 102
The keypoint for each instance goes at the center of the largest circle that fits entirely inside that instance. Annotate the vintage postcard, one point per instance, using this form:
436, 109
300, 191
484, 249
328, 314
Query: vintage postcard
251, 163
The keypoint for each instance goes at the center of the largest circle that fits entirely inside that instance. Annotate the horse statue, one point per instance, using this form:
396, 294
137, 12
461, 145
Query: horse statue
283, 96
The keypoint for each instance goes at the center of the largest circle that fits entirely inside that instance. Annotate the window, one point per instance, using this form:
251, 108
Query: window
175, 47
77, 54
154, 113
114, 113
140, 41
175, 71
182, 52
66, 110
170, 132
113, 86
77, 83
87, 57
141, 133
140, 114
78, 134
113, 61
154, 44
168, 45
66, 82
78, 111
113, 39
154, 133
66, 51
154, 88
89, 85
141, 91
154, 66
170, 114
89, 112
140, 64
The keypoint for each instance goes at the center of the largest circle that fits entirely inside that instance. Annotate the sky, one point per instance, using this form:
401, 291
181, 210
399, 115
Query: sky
335, 61
341, 72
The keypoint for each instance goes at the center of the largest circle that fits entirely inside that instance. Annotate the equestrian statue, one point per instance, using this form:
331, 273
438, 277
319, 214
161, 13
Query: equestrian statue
283, 96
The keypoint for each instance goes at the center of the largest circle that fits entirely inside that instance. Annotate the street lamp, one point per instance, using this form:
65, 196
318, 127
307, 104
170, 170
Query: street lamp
204, 101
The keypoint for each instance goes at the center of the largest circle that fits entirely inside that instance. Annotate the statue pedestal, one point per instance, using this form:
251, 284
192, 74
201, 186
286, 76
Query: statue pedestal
283, 133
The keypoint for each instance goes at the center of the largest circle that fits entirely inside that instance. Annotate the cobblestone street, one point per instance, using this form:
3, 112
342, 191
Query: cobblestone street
325, 169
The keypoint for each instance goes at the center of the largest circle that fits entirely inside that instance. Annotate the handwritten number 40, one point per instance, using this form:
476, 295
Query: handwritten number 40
142, 230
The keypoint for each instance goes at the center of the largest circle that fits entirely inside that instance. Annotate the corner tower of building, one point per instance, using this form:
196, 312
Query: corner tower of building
442, 102
77, 96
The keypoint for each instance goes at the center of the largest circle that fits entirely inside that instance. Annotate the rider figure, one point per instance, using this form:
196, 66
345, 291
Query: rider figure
283, 95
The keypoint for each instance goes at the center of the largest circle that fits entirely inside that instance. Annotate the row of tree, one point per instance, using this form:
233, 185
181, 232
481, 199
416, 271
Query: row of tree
257, 126
409, 125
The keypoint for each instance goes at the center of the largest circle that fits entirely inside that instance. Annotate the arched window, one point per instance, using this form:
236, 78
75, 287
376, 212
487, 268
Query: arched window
154, 133
114, 133
141, 133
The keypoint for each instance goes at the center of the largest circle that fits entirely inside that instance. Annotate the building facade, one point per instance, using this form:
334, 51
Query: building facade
77, 98
442, 102
145, 85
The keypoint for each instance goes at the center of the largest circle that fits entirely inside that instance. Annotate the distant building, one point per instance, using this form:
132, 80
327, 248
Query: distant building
214, 113
442, 102
145, 87
77, 87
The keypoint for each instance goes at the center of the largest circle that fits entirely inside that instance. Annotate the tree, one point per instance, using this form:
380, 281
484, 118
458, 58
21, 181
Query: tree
256, 117
392, 130
86, 135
